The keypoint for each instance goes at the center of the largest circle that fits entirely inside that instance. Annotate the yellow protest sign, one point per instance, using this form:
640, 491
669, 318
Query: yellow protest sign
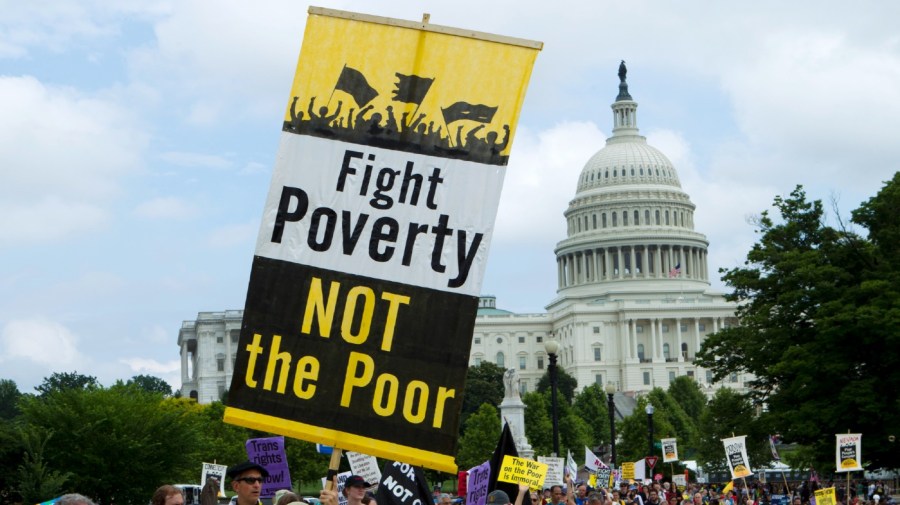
826, 496
628, 470
523, 471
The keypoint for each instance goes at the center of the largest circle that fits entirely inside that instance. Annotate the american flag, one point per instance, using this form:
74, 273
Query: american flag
675, 272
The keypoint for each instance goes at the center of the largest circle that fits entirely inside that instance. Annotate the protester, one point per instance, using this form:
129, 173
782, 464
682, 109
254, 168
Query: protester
444, 499
498, 497
246, 481
286, 497
355, 489
167, 495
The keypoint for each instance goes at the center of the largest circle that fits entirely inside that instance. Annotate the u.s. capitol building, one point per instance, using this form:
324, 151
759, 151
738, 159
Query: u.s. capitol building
633, 301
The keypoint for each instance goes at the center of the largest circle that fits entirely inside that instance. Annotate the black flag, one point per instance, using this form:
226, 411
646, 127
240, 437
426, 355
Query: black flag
402, 484
411, 88
505, 446
472, 112
354, 82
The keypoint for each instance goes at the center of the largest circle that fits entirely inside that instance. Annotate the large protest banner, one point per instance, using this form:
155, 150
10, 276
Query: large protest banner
375, 235
736, 456
669, 449
847, 452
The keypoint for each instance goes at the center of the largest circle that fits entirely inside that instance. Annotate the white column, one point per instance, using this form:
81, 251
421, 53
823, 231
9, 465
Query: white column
229, 368
653, 346
696, 335
661, 339
678, 336
633, 336
621, 273
633, 263
184, 365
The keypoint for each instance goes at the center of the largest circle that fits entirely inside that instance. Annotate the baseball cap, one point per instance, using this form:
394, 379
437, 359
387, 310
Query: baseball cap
356, 480
497, 497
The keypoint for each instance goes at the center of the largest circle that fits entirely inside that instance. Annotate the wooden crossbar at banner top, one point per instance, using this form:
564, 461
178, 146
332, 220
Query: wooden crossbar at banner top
425, 25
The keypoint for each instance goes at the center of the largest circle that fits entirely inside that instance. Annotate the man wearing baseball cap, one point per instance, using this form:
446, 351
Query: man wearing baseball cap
246, 480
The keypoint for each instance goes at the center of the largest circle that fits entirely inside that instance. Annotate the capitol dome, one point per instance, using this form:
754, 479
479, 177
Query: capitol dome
630, 225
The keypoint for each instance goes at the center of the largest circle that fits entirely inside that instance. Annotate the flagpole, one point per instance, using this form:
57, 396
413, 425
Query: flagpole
847, 494
447, 128
333, 466
423, 99
334, 88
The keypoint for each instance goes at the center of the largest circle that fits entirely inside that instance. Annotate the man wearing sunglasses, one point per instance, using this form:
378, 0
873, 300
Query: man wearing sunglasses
246, 480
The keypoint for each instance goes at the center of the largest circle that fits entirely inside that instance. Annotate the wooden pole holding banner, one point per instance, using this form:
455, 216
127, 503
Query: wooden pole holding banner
847, 494
333, 466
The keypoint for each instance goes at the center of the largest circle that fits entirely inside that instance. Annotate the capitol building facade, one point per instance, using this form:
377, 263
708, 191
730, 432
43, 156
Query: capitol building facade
633, 302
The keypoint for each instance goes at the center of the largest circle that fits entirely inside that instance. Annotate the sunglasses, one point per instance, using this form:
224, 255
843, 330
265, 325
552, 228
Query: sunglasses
251, 480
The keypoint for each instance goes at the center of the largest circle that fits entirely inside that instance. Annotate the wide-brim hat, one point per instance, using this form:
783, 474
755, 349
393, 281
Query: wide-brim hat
243, 467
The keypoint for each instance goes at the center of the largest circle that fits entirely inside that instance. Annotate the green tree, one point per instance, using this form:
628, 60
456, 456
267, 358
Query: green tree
565, 384
670, 412
633, 432
590, 406
9, 398
117, 443
686, 392
574, 432
305, 463
37, 482
818, 310
484, 384
151, 384
728, 414
480, 437
62, 381
538, 423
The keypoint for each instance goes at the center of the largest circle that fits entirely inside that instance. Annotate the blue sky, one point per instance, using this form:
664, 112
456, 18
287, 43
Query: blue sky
137, 140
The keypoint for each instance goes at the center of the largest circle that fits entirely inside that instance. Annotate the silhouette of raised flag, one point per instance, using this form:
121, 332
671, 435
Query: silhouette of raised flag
505, 446
354, 82
411, 88
464, 110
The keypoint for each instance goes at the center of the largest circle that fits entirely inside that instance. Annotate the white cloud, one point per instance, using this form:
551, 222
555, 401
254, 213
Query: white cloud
233, 235
48, 219
541, 179
168, 207
41, 341
151, 366
192, 160
169, 371
78, 150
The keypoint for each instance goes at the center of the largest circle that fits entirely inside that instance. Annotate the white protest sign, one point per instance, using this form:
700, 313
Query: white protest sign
555, 468
365, 466
214, 471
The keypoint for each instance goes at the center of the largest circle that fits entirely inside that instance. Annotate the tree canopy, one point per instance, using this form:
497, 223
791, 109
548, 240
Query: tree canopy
819, 308
565, 383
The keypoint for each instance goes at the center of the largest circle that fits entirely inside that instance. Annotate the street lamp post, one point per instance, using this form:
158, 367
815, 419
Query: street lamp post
649, 411
611, 406
552, 346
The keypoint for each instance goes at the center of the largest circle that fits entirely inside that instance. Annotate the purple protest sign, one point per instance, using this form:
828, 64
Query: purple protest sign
479, 478
269, 452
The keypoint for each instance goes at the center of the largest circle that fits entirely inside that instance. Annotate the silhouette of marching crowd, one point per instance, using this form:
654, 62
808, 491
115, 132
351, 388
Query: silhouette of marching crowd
410, 132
